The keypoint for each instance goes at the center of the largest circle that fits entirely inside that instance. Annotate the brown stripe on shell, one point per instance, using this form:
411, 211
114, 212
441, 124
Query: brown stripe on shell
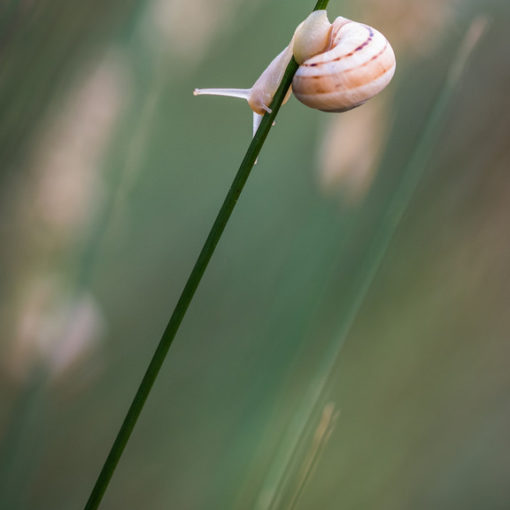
359, 48
343, 108
343, 105
375, 57
370, 37
372, 78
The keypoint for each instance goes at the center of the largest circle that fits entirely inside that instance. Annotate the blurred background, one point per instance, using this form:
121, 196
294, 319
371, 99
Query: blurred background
348, 347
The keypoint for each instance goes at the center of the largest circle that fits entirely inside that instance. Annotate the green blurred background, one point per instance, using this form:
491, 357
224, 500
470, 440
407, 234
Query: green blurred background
306, 375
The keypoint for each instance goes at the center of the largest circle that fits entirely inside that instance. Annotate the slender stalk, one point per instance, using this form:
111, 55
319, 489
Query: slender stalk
21, 446
188, 292
281, 476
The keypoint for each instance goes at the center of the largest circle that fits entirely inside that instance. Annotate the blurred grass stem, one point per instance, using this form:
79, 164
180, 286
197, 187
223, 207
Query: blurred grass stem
191, 286
284, 479
22, 444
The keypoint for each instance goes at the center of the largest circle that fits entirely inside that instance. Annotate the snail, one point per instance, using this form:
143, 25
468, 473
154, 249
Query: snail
341, 66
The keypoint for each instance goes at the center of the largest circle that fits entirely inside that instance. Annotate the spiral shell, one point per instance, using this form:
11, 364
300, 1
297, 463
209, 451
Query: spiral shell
358, 63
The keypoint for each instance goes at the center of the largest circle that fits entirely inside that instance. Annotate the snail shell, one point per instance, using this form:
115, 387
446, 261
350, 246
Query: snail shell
358, 63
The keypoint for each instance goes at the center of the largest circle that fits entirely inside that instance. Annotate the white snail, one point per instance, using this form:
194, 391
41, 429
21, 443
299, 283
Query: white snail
341, 65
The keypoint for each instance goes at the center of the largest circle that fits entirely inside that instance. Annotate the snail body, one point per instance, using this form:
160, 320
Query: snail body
341, 65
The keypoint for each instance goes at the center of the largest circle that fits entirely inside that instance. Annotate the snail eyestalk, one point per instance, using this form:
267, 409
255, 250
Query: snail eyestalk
240, 93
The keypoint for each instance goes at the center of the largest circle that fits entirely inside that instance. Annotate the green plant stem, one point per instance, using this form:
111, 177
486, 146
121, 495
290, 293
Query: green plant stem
321, 4
191, 286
